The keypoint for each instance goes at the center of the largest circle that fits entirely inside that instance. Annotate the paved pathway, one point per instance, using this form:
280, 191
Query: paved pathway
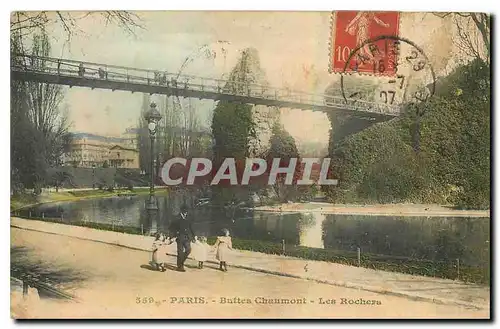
436, 290
117, 282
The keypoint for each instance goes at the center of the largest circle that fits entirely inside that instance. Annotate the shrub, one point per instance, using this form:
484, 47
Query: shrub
410, 160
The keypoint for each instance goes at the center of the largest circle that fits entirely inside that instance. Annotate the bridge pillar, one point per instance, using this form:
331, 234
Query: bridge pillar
344, 125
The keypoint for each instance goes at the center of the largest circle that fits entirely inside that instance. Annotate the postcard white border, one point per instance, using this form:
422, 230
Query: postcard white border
294, 5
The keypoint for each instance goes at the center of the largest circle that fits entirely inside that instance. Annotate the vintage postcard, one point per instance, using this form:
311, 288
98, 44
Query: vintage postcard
250, 165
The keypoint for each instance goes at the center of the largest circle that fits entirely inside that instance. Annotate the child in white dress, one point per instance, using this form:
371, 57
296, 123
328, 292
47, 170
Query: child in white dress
154, 250
200, 250
159, 252
223, 245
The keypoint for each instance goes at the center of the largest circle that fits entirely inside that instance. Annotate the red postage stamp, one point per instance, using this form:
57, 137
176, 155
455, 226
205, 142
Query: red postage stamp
351, 43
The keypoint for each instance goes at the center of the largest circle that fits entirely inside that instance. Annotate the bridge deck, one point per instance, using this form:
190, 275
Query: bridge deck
92, 75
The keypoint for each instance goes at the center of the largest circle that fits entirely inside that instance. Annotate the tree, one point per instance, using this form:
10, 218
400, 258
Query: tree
44, 102
27, 162
453, 163
28, 23
190, 125
180, 131
462, 136
232, 123
473, 34
58, 177
233, 126
283, 147
39, 129
362, 164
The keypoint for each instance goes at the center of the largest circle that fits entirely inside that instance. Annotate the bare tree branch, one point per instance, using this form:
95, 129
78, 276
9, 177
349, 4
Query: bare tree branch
464, 41
468, 38
36, 22
65, 25
127, 20
482, 23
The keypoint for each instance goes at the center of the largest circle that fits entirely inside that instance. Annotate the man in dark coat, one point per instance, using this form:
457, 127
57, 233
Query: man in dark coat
182, 229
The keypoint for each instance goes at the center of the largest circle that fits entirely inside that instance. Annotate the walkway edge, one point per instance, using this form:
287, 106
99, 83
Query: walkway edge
415, 297
405, 294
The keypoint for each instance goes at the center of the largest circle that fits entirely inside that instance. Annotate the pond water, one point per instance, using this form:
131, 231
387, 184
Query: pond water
432, 238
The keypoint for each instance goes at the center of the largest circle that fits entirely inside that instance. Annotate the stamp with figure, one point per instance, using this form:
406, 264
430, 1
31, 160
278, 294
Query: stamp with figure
351, 30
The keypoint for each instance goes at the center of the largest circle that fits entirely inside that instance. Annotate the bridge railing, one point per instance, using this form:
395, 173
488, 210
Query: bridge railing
88, 70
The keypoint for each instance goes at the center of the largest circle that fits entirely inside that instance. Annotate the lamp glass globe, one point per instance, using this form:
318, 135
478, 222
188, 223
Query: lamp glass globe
152, 126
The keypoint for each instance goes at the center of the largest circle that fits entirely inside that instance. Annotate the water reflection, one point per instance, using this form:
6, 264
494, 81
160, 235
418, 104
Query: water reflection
310, 227
440, 238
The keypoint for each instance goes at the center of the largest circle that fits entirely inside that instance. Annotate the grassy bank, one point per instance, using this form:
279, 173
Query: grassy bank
21, 201
26, 200
423, 267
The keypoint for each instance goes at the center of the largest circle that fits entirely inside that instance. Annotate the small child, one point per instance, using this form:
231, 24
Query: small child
154, 250
223, 245
159, 255
200, 250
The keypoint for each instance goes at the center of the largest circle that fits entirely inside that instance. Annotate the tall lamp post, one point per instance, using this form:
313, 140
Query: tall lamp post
152, 117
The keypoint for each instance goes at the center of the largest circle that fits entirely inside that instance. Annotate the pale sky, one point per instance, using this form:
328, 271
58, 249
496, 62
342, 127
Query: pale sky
293, 49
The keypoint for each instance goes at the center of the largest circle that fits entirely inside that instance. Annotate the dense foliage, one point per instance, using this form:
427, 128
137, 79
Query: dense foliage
232, 128
441, 157
282, 146
232, 124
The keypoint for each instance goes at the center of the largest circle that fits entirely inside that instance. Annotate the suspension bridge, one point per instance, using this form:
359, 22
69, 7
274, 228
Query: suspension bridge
103, 76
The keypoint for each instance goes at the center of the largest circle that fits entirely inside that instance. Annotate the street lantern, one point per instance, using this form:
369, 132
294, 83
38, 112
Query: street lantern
152, 118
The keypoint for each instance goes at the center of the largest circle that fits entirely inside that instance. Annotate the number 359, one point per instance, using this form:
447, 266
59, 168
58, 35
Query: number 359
144, 300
